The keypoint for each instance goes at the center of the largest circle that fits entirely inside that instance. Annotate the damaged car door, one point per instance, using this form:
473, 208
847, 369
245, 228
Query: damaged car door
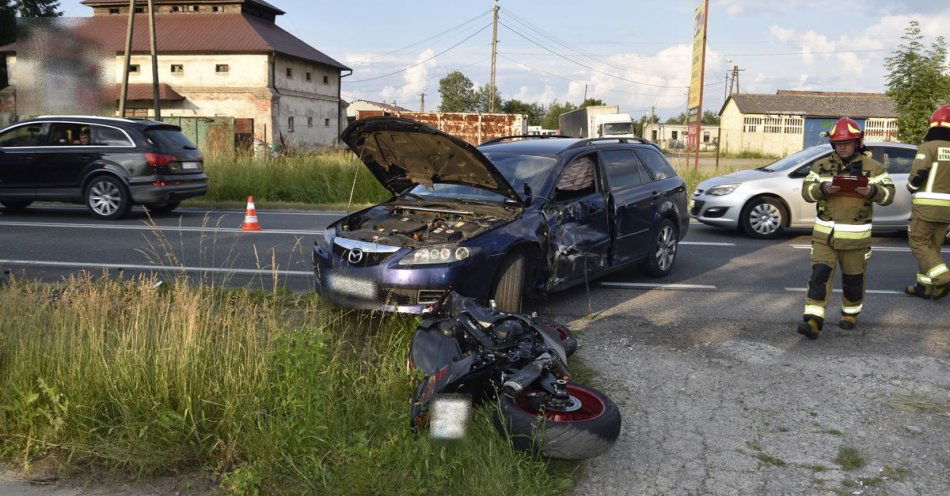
631, 202
580, 244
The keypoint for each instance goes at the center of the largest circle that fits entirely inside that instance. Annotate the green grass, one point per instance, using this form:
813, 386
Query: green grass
850, 459
316, 178
276, 393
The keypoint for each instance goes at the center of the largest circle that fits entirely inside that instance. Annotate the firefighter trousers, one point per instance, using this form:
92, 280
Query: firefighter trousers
824, 259
926, 239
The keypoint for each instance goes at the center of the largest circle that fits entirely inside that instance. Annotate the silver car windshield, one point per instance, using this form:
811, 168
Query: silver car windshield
795, 159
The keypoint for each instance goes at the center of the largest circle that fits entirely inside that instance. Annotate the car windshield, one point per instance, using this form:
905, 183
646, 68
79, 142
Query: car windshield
795, 159
616, 128
520, 170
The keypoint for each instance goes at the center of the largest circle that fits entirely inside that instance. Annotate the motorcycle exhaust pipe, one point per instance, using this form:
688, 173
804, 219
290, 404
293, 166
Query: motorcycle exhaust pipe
516, 383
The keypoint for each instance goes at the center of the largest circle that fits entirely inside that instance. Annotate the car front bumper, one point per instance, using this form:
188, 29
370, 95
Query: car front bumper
719, 211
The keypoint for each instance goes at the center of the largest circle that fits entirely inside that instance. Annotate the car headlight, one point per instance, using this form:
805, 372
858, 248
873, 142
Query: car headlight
438, 254
722, 190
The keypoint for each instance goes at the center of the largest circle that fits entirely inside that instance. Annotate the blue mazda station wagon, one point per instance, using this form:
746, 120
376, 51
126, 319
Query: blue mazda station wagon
517, 216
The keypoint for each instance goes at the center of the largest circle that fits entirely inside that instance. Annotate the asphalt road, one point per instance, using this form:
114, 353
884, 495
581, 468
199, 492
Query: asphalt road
717, 392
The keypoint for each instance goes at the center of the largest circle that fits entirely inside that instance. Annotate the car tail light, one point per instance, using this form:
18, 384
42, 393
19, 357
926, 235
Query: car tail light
159, 159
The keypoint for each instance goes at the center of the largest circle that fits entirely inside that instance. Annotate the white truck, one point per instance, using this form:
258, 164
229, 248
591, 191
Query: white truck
601, 121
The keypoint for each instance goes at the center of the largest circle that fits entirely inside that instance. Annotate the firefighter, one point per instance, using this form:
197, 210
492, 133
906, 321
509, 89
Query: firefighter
929, 181
842, 232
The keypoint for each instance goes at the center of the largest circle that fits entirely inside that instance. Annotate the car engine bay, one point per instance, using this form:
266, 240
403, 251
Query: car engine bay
414, 226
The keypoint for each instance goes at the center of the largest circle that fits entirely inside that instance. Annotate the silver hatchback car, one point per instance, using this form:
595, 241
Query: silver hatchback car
761, 202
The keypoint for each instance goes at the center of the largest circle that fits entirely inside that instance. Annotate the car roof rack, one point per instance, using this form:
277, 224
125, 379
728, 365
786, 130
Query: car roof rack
594, 141
522, 136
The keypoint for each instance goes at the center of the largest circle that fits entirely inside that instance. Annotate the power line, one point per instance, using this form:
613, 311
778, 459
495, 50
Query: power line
404, 69
807, 53
453, 28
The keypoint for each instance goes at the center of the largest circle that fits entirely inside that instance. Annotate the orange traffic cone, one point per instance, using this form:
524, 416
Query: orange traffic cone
250, 218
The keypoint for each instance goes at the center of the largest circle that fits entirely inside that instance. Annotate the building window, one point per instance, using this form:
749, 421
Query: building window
326, 122
194, 8
222, 68
215, 8
290, 73
793, 125
309, 121
290, 124
140, 10
178, 69
113, 11
705, 137
751, 124
773, 125
134, 68
175, 8
307, 76
326, 79
674, 135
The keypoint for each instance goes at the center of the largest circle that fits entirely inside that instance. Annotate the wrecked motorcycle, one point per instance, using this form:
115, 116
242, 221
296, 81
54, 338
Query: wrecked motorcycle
469, 351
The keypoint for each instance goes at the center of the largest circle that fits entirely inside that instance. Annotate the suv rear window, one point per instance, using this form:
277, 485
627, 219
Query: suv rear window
656, 163
169, 140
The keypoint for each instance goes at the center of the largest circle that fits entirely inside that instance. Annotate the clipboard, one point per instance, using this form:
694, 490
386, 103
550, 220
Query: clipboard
848, 184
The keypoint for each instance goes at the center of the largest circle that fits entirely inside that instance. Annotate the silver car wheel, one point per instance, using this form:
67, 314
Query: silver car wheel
666, 248
765, 218
104, 198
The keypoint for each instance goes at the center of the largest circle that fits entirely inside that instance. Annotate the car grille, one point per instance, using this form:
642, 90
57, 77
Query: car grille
367, 258
697, 207
398, 297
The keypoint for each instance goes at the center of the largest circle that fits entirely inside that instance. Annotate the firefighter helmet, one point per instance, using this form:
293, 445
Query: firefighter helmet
941, 117
846, 129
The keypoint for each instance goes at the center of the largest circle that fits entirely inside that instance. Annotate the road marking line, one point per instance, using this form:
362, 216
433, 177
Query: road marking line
647, 285
897, 249
706, 243
171, 268
869, 291
201, 210
124, 227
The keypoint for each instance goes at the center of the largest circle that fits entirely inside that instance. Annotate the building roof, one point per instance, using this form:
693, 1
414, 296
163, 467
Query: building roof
815, 104
383, 106
197, 33
122, 3
143, 91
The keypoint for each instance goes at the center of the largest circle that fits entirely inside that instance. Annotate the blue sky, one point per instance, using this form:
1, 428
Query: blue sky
637, 53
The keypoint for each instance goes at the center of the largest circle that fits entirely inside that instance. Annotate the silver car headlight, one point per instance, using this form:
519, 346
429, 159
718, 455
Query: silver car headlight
722, 190
438, 254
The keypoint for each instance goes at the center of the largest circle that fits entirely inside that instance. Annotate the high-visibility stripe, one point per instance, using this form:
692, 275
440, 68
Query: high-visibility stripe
932, 177
848, 310
815, 310
851, 235
941, 124
812, 175
887, 194
927, 201
932, 196
938, 271
824, 223
810, 191
867, 256
852, 227
882, 179
921, 156
923, 279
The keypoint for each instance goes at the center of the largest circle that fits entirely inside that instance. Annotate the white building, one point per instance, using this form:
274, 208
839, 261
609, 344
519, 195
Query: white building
673, 136
217, 58
789, 121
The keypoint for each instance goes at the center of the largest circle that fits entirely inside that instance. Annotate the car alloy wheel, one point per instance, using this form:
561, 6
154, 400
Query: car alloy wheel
666, 248
105, 198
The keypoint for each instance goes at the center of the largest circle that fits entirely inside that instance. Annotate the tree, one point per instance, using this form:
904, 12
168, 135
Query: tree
457, 92
679, 119
710, 118
39, 8
534, 111
642, 122
555, 109
7, 34
592, 102
481, 99
918, 82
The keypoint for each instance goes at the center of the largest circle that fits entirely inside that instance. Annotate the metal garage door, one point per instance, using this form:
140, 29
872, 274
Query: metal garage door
815, 126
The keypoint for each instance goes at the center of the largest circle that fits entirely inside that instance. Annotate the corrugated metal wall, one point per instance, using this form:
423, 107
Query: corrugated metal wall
213, 135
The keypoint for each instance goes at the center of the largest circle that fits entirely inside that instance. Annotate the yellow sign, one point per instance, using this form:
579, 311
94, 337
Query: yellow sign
699, 56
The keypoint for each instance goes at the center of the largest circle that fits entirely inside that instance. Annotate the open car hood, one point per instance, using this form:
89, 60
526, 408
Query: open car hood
403, 153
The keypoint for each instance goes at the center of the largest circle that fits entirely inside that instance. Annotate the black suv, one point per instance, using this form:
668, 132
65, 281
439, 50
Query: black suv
107, 163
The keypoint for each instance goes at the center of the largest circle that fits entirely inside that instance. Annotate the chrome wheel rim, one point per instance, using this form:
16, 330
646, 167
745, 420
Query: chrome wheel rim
104, 198
666, 248
765, 218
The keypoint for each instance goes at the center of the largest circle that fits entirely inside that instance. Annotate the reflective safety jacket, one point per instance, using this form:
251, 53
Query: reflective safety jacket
932, 198
844, 222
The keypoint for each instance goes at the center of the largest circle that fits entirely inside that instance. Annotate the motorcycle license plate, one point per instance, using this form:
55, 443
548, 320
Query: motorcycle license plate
351, 286
449, 416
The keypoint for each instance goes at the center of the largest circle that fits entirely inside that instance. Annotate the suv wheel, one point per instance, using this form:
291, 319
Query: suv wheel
161, 208
763, 218
107, 198
16, 204
659, 261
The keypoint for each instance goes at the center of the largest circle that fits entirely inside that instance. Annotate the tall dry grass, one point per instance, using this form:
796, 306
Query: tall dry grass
276, 393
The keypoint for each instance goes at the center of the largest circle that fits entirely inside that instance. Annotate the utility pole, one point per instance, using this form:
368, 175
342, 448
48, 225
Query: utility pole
734, 81
154, 48
585, 95
124, 92
653, 118
422, 101
494, 53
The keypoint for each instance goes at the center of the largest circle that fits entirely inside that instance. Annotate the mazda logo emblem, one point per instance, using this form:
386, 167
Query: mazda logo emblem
355, 256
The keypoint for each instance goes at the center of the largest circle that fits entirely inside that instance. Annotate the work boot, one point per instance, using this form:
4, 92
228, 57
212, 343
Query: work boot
848, 322
941, 291
809, 328
918, 290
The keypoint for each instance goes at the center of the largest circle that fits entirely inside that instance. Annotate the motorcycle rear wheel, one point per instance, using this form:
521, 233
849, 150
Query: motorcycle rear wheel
578, 435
